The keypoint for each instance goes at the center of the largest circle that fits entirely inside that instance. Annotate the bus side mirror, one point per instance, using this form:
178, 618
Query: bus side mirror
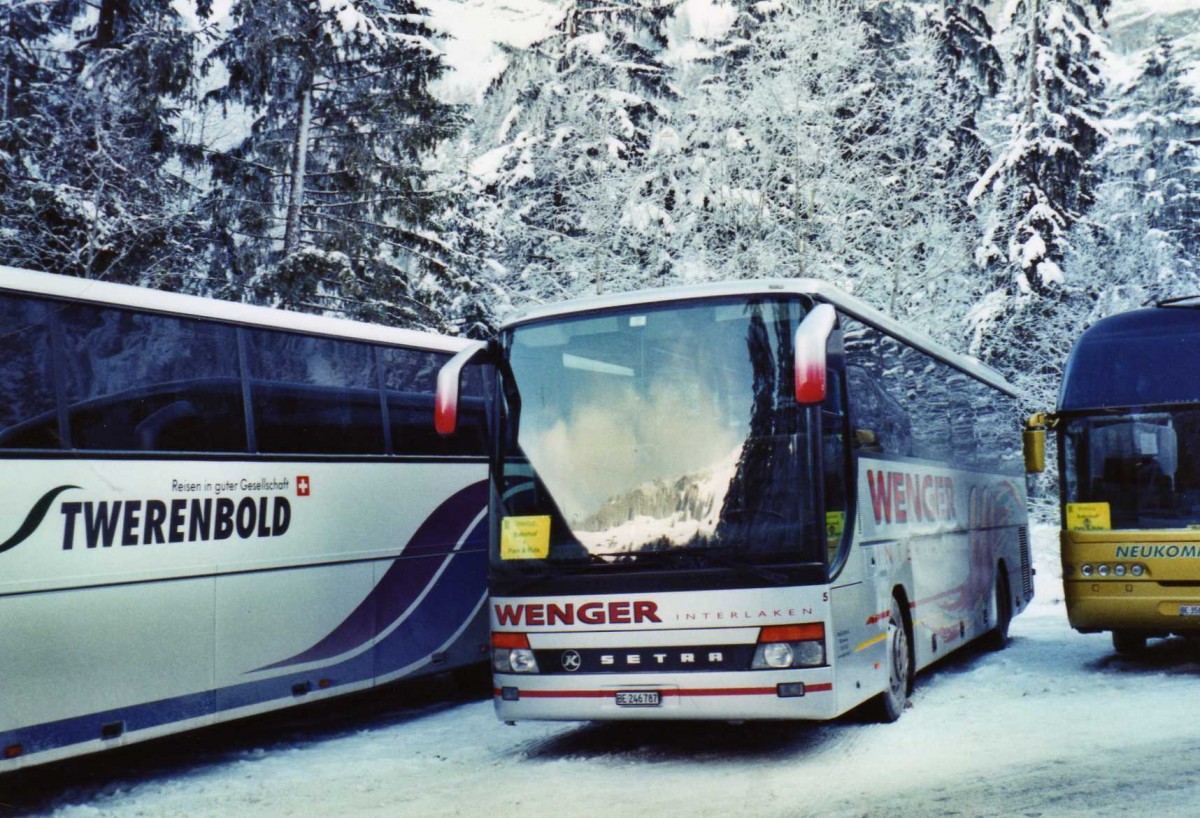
810, 364
1034, 439
445, 407
1035, 450
866, 439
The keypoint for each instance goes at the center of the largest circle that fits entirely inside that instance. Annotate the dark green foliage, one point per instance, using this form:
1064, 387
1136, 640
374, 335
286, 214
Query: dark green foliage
332, 209
88, 140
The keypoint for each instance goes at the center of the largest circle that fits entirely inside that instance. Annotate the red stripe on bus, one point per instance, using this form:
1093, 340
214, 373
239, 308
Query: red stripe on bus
956, 590
700, 691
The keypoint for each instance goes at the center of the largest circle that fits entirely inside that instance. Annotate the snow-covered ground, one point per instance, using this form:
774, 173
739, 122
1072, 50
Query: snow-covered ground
1054, 725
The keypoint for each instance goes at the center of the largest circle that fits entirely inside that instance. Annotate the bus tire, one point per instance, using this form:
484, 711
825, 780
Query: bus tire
997, 637
1128, 642
891, 702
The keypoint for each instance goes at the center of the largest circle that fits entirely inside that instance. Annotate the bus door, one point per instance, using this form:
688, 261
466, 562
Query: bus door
850, 592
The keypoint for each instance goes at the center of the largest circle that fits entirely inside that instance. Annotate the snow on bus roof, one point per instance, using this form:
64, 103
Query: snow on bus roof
820, 290
51, 285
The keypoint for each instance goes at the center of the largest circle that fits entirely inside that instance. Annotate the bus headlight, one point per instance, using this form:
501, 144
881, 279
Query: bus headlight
511, 654
1137, 570
777, 654
1119, 569
1086, 570
1102, 570
784, 646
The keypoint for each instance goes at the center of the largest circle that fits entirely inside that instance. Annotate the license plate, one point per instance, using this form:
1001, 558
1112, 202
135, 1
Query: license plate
1189, 610
639, 698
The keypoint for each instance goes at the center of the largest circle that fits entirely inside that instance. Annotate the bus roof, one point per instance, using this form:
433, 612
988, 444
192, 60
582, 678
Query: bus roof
1144, 357
819, 290
123, 295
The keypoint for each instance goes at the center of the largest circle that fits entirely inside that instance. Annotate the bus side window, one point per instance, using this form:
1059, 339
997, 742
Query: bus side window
314, 395
835, 469
410, 383
28, 416
144, 382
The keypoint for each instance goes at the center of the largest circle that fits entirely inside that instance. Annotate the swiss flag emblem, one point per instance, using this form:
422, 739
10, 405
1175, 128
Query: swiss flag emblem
303, 487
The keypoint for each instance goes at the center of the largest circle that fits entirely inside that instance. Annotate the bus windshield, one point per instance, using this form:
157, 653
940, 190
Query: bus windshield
1144, 464
666, 435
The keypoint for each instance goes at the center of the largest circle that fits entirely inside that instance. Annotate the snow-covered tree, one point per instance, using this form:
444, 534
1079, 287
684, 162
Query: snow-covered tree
975, 69
1038, 189
560, 134
816, 152
1161, 156
1134, 246
326, 204
1043, 178
88, 143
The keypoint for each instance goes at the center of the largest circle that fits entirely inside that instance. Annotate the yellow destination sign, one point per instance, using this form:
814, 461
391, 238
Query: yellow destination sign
525, 538
1088, 517
835, 524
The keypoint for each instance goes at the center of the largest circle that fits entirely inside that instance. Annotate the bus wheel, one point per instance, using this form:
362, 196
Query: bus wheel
1128, 642
997, 637
891, 702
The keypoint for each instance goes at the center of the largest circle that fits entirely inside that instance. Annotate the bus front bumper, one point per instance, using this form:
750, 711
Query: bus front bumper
1137, 605
790, 694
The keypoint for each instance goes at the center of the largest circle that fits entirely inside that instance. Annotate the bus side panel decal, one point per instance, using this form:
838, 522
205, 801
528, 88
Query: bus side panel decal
406, 579
40, 738
450, 601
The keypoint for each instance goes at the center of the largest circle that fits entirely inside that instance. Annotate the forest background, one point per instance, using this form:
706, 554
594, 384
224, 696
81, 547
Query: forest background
997, 175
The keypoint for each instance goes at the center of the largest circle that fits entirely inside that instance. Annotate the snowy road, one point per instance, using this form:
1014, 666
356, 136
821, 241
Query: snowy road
1054, 725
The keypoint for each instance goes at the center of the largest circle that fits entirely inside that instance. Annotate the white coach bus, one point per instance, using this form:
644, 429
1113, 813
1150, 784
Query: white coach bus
211, 510
757, 500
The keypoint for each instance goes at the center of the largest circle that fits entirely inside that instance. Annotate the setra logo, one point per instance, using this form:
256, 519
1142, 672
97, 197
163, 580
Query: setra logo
34, 518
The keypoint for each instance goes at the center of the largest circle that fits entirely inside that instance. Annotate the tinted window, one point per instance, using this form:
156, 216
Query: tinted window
1143, 465
313, 395
410, 378
150, 382
1140, 358
907, 403
27, 403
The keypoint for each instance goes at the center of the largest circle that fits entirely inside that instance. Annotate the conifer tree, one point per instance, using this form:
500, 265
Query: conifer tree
563, 130
88, 139
1041, 185
1043, 178
974, 71
326, 204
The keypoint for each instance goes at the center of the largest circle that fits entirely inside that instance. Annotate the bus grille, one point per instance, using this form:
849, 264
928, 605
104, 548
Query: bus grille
1026, 562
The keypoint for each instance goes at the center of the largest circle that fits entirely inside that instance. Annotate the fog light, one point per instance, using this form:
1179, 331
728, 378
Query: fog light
510, 694
1086, 570
789, 690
